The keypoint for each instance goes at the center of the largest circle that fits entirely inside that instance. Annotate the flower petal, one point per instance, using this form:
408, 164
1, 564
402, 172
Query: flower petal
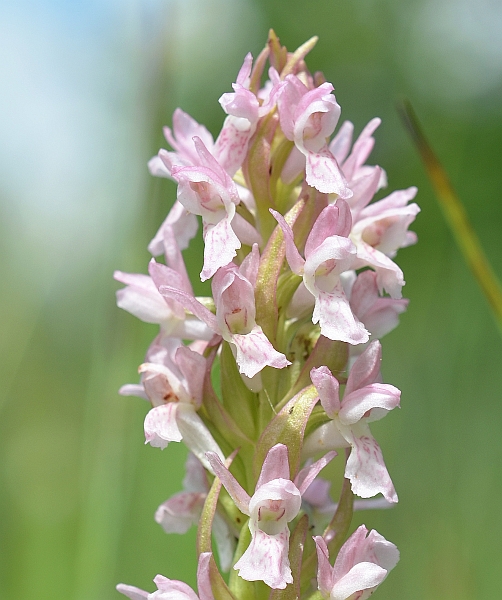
180, 512
233, 487
365, 466
171, 588
131, 592
161, 427
363, 576
254, 352
333, 313
323, 173
220, 245
366, 369
196, 436
379, 398
327, 387
324, 569
266, 559
275, 465
307, 475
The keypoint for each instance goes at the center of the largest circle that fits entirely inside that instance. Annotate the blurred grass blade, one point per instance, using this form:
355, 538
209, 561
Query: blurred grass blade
455, 214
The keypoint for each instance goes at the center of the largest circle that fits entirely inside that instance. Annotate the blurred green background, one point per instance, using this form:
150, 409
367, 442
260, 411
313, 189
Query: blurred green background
86, 87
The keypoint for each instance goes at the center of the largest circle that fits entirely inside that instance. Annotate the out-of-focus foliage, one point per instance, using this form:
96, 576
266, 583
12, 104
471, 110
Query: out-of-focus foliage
86, 89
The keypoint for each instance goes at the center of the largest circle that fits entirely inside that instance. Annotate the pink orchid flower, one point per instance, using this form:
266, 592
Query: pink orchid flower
181, 139
141, 296
233, 292
173, 382
328, 253
365, 400
379, 314
171, 589
244, 109
308, 117
276, 501
352, 160
179, 224
207, 190
379, 230
363, 562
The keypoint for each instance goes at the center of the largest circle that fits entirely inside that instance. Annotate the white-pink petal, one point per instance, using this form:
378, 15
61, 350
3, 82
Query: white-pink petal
366, 369
203, 577
266, 559
233, 487
328, 388
180, 512
333, 313
365, 466
307, 475
254, 352
196, 436
275, 465
324, 438
161, 426
171, 589
220, 245
323, 173
363, 576
132, 592
372, 402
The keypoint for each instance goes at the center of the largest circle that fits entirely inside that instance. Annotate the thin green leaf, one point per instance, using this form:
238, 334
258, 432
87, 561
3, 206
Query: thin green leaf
456, 215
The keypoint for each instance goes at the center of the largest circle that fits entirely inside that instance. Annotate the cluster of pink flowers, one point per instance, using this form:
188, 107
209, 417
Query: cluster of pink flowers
304, 283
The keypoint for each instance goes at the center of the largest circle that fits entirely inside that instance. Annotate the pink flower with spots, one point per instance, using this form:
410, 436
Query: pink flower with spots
141, 296
365, 400
207, 190
379, 230
328, 253
173, 382
233, 291
276, 501
308, 117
